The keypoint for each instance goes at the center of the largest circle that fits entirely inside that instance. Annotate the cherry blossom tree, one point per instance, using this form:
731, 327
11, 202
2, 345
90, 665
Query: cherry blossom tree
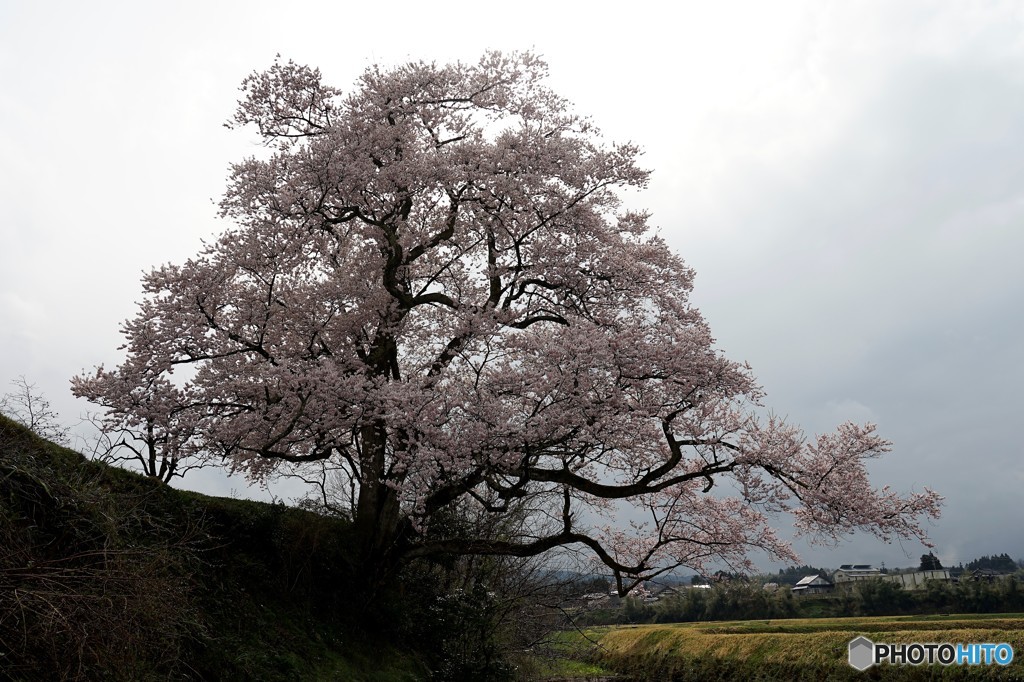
148, 421
430, 286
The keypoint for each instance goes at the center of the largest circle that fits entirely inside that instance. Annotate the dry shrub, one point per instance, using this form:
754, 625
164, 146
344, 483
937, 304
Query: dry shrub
94, 578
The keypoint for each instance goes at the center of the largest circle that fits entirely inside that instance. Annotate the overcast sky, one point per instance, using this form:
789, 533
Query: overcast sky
847, 179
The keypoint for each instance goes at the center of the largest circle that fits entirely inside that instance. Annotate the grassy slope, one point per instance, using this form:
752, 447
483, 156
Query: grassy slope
106, 574
798, 649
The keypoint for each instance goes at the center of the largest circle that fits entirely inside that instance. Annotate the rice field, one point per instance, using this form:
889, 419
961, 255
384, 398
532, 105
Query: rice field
794, 649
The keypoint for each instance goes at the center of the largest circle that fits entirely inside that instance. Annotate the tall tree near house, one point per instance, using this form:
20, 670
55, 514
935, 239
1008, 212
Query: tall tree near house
930, 562
431, 284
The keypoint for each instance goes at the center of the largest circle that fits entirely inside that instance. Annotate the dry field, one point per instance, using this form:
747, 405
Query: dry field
796, 649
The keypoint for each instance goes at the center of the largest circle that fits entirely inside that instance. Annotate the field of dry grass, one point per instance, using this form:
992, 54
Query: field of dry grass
798, 649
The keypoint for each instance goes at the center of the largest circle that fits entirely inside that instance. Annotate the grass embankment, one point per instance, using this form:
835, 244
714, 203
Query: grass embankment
105, 574
796, 649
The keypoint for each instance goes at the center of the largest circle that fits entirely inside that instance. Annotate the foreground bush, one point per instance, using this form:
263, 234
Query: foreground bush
94, 574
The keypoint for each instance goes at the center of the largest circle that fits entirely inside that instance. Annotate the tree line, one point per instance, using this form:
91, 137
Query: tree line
747, 601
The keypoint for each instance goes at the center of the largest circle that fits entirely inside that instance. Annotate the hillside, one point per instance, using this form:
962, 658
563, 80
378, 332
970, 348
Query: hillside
105, 574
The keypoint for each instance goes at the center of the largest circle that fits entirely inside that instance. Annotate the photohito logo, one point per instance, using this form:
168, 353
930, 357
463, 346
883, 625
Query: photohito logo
863, 653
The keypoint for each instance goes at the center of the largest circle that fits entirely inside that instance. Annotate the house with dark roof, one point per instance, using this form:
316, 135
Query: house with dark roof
813, 584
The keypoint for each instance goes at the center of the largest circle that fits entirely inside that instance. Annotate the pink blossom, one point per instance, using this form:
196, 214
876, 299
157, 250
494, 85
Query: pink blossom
432, 284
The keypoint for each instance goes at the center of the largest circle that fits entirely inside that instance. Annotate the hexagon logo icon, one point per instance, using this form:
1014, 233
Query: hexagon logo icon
862, 653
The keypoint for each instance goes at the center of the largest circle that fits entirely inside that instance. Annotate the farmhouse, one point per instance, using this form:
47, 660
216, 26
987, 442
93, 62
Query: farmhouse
850, 573
813, 584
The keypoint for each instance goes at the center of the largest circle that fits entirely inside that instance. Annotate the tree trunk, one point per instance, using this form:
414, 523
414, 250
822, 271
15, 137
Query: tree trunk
378, 542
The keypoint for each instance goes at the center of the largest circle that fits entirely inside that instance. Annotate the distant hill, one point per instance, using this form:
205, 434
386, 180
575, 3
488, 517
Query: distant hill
105, 574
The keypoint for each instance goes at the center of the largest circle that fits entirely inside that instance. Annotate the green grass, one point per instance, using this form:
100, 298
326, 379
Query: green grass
565, 657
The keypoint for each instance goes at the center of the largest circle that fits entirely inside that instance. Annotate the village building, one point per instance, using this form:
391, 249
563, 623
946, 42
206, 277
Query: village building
813, 584
851, 573
916, 580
